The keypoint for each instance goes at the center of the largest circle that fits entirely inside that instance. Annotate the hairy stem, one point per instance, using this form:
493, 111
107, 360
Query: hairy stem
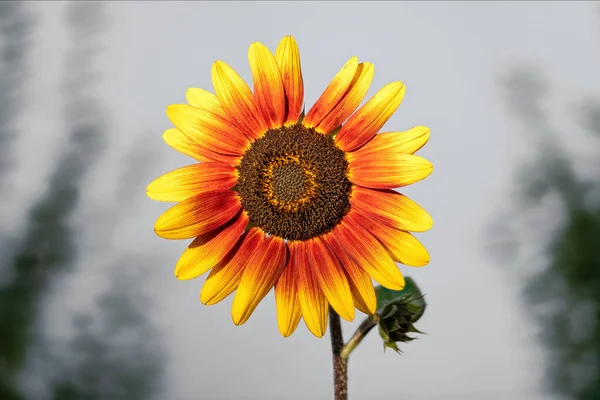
340, 364
341, 352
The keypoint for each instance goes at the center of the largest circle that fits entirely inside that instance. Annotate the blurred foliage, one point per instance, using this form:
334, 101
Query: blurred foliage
115, 356
47, 247
15, 28
106, 359
563, 295
397, 311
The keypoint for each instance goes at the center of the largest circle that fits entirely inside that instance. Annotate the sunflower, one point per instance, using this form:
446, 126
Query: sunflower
302, 203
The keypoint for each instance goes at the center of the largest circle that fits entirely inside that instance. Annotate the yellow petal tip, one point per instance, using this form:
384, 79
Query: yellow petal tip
424, 262
287, 330
398, 88
257, 44
372, 308
238, 318
181, 275
317, 334
204, 299
429, 169
158, 233
219, 65
317, 331
348, 314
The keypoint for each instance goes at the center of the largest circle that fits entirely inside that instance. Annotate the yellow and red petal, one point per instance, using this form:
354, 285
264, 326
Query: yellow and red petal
205, 100
237, 100
188, 181
368, 253
268, 85
208, 129
392, 208
286, 296
180, 142
331, 278
401, 142
264, 268
288, 60
387, 170
226, 276
370, 118
206, 251
313, 302
198, 215
401, 245
360, 282
351, 100
332, 95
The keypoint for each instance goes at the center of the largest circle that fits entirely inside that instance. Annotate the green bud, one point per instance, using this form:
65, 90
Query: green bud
397, 311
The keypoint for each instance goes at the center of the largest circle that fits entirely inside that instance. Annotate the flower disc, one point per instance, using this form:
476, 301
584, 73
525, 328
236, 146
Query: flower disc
292, 183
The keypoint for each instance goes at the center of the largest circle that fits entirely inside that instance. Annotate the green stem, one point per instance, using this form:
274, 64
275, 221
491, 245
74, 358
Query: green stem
363, 329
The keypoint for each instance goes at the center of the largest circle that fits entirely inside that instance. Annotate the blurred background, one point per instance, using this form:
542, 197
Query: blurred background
89, 306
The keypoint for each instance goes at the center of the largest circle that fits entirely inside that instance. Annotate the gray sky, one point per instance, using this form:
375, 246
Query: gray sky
450, 56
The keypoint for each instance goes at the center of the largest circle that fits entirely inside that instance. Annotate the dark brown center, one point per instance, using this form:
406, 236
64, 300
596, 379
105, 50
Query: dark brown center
289, 182
292, 183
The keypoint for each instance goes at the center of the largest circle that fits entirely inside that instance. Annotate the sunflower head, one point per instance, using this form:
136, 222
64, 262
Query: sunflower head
299, 203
